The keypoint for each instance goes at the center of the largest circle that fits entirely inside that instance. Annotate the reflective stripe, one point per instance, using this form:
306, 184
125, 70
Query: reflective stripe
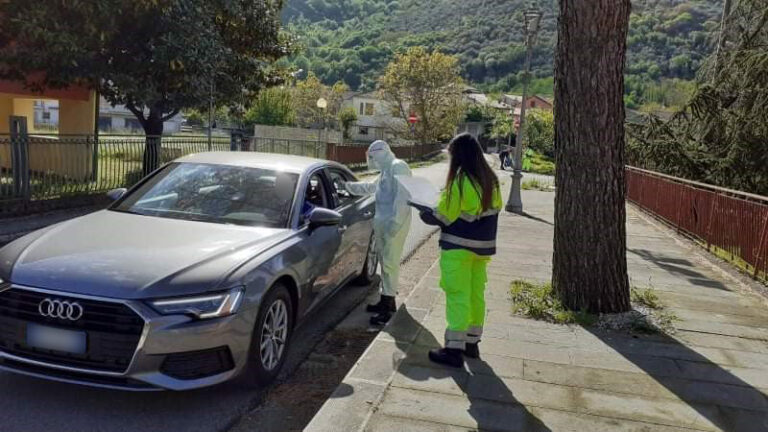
475, 331
455, 339
443, 220
473, 339
471, 218
473, 334
475, 244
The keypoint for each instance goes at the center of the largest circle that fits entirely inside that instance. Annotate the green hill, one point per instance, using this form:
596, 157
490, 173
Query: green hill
352, 40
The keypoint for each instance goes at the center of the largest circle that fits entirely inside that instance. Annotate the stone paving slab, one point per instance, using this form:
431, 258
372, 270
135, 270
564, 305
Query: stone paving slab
711, 375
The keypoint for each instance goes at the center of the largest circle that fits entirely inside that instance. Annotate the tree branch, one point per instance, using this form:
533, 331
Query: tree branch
137, 112
170, 115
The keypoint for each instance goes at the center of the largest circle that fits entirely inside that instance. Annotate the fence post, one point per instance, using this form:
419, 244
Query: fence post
20, 156
760, 248
233, 141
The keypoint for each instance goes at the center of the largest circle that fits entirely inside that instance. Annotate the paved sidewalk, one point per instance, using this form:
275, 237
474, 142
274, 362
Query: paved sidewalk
711, 375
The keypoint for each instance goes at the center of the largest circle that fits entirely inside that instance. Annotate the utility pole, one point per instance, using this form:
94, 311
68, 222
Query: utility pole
515, 202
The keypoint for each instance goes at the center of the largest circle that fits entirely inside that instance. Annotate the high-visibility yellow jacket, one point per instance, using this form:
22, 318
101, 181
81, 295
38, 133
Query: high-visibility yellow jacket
463, 222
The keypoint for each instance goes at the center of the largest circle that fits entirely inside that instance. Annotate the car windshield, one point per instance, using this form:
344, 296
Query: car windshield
215, 193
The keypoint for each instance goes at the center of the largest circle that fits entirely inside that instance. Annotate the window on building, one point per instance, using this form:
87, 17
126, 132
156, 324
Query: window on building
46, 115
369, 109
105, 123
362, 108
363, 131
395, 112
533, 104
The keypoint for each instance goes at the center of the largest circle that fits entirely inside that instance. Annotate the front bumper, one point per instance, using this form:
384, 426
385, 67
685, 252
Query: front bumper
172, 353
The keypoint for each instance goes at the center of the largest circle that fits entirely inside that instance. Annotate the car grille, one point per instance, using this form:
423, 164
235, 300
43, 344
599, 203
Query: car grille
113, 331
198, 364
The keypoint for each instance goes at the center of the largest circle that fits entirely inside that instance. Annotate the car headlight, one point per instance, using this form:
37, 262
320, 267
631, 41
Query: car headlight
203, 306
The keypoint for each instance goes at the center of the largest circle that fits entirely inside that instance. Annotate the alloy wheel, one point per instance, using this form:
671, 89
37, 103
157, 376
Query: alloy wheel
273, 335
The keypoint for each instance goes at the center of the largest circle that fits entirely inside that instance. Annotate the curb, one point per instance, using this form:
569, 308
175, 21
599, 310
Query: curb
358, 396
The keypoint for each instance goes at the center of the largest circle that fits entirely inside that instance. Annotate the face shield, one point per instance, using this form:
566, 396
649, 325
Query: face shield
379, 154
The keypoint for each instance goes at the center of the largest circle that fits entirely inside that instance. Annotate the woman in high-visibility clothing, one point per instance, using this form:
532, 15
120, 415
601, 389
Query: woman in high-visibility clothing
467, 214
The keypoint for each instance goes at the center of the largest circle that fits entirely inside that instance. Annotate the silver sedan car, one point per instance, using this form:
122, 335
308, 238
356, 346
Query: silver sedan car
195, 276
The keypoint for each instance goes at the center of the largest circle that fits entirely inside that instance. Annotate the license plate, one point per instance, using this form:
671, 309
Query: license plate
56, 339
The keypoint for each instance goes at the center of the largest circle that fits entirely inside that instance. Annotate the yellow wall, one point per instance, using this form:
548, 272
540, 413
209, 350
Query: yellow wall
76, 117
25, 108
66, 156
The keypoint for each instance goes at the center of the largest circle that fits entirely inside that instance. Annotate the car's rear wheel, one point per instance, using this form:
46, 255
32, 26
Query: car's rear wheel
371, 262
271, 336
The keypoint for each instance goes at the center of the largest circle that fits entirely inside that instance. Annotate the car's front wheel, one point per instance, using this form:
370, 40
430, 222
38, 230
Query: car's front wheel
271, 336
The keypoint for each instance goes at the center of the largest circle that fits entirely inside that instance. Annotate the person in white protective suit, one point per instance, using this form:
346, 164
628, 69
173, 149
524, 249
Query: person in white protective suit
390, 224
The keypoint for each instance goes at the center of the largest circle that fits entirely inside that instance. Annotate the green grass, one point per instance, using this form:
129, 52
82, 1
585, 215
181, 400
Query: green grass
541, 164
734, 259
646, 297
538, 301
539, 185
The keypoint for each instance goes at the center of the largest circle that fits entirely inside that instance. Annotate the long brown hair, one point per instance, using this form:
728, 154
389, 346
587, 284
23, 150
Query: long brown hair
467, 159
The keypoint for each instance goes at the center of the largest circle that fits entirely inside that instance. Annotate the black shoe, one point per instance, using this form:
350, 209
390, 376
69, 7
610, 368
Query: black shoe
447, 356
472, 350
385, 304
380, 319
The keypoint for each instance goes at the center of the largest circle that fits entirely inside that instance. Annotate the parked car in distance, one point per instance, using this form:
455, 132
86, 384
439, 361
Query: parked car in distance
195, 276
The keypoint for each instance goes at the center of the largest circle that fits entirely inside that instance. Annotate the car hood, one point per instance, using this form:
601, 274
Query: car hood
121, 255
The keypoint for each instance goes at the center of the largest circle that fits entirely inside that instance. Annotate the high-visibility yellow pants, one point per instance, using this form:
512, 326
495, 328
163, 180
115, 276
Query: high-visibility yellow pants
463, 277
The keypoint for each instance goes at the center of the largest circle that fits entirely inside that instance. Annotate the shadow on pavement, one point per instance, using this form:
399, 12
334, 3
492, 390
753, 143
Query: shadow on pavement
484, 410
678, 267
536, 218
725, 400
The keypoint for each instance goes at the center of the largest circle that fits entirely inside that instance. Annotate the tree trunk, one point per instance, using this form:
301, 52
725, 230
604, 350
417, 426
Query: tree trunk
153, 129
590, 265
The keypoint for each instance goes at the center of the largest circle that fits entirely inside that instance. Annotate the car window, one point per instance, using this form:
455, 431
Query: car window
342, 197
215, 193
315, 195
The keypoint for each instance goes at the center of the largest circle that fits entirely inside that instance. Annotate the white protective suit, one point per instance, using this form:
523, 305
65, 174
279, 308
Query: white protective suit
393, 215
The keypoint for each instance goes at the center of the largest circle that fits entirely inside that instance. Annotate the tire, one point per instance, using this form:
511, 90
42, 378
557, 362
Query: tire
263, 367
368, 273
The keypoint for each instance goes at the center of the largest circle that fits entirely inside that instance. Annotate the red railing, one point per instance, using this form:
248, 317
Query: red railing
732, 221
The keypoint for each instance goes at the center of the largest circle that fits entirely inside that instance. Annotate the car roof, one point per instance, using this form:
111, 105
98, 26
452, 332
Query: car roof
274, 161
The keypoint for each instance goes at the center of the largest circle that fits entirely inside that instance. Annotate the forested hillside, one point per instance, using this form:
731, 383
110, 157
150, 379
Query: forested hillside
352, 40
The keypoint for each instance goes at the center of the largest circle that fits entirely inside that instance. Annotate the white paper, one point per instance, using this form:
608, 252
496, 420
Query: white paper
421, 190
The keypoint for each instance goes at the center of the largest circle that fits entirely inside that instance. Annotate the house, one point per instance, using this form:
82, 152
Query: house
535, 102
119, 119
474, 96
76, 107
376, 118
46, 117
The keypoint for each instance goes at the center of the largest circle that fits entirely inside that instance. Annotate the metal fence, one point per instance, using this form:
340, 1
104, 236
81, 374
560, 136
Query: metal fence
730, 223
35, 168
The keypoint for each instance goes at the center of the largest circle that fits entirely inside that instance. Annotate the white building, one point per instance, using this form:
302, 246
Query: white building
119, 119
376, 118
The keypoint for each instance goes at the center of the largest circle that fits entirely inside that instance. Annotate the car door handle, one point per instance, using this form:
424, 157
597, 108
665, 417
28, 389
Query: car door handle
343, 228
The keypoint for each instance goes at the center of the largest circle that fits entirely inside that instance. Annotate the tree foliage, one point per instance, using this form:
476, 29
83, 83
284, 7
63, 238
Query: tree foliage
354, 39
719, 136
273, 106
347, 117
540, 131
156, 57
308, 92
425, 83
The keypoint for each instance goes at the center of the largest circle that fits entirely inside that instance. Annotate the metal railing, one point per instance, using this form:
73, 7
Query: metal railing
728, 222
52, 166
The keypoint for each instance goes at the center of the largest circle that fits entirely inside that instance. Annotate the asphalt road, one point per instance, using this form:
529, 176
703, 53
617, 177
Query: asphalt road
32, 405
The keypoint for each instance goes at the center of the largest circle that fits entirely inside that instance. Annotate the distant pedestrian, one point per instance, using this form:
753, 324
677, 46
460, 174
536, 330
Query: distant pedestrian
467, 214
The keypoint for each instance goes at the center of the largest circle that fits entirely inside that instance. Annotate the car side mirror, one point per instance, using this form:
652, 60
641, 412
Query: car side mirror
323, 217
116, 194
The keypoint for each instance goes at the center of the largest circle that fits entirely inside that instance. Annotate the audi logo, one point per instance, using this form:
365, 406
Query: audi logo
61, 309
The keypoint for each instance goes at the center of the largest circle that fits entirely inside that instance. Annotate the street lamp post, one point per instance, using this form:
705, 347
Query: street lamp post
323, 105
515, 202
